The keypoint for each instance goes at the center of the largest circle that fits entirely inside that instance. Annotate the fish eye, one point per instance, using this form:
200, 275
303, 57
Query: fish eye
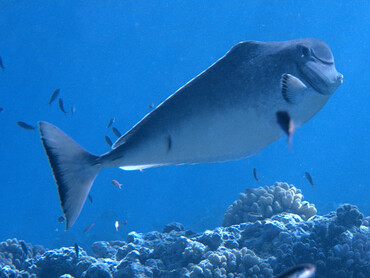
306, 52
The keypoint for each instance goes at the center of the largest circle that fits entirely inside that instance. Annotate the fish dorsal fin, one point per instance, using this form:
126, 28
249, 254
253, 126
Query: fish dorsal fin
120, 141
292, 88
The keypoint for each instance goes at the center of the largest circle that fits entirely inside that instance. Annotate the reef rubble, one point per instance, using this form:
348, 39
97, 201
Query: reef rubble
258, 239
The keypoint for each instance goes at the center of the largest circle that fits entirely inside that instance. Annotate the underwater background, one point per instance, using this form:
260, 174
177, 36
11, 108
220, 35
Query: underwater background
115, 59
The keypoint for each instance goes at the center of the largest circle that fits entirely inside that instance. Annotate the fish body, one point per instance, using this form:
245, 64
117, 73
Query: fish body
108, 141
61, 106
88, 228
151, 105
77, 250
299, 271
90, 198
1, 109
255, 174
117, 184
60, 219
54, 96
111, 121
309, 178
25, 125
1, 64
116, 132
227, 112
73, 110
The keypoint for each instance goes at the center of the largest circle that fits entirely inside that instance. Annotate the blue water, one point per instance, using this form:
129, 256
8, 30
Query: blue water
116, 58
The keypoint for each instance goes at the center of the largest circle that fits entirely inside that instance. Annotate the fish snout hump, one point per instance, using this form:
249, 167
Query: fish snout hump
74, 169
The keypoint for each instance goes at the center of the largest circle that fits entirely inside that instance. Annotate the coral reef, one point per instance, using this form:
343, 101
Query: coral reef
337, 243
263, 202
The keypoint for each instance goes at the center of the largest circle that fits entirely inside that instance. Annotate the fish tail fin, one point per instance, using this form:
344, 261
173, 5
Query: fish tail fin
74, 169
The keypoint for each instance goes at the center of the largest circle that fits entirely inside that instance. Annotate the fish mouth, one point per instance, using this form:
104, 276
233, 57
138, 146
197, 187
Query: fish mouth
323, 78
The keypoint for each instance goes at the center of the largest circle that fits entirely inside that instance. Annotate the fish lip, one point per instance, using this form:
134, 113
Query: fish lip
316, 88
326, 88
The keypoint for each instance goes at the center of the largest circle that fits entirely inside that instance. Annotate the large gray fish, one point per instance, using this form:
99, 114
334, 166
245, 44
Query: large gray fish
227, 112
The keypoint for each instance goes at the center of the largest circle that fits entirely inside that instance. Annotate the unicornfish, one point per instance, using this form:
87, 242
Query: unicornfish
227, 112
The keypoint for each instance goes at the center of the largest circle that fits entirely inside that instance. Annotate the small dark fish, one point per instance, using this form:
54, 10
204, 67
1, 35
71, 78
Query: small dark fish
255, 174
24, 247
1, 64
286, 123
151, 105
25, 125
73, 110
299, 271
88, 228
90, 198
309, 178
1, 109
111, 121
60, 219
116, 132
54, 96
109, 142
77, 250
61, 107
124, 222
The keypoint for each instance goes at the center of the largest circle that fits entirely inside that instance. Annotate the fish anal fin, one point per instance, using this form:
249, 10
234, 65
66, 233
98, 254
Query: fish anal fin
292, 88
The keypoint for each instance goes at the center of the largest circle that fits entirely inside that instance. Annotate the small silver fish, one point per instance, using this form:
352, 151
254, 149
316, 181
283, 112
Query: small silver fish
108, 140
111, 121
309, 178
117, 184
61, 106
255, 174
73, 110
25, 125
116, 132
53, 96
299, 271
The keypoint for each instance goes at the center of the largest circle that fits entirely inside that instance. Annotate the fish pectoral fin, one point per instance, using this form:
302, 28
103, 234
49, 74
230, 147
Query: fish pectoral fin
292, 88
